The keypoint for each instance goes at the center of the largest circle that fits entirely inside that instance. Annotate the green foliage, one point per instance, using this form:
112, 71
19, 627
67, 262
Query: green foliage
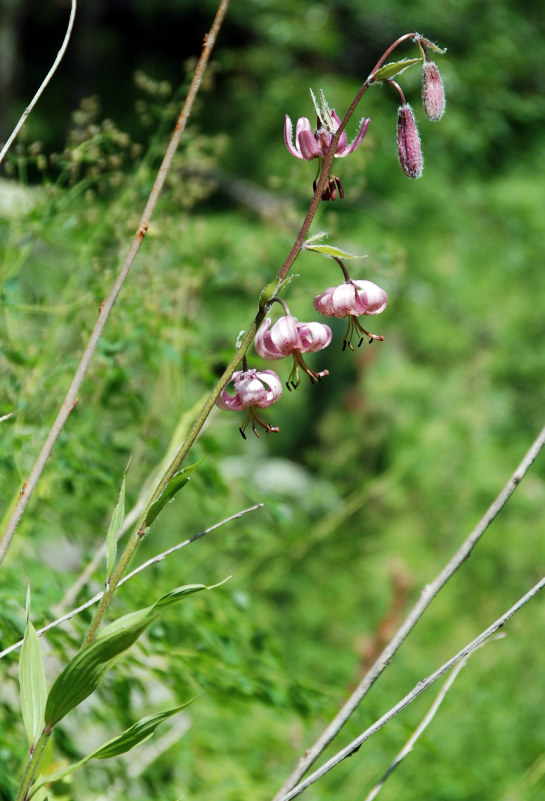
377, 473
85, 671
32, 685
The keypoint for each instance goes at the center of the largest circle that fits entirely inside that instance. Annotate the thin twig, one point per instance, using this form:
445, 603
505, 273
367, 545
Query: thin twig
107, 305
417, 690
428, 594
6, 416
132, 516
45, 81
154, 560
423, 725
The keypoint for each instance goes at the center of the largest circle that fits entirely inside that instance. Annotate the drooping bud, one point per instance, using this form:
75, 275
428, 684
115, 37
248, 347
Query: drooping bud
408, 143
433, 92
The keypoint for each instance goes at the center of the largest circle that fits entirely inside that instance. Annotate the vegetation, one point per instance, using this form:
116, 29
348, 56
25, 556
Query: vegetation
378, 472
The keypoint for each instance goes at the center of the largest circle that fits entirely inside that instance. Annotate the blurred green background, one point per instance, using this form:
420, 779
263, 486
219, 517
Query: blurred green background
378, 473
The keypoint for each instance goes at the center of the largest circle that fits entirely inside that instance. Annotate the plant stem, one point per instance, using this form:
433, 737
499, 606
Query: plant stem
428, 594
32, 764
417, 690
44, 83
71, 397
201, 419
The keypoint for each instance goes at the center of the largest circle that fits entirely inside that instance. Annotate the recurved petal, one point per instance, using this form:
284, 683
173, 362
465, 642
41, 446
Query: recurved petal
228, 402
258, 388
341, 301
314, 336
306, 142
341, 146
376, 297
288, 138
356, 142
278, 341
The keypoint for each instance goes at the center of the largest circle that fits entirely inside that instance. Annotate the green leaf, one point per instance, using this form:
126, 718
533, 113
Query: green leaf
172, 597
125, 622
175, 484
41, 795
137, 733
386, 72
114, 530
84, 673
176, 595
32, 684
332, 252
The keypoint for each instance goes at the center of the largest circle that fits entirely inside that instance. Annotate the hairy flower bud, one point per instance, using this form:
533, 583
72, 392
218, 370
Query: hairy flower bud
408, 143
433, 92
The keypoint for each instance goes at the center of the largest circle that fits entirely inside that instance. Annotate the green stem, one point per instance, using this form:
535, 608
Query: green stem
176, 463
32, 764
140, 528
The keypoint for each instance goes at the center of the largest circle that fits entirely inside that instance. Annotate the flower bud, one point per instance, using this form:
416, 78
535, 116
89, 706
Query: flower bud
408, 143
433, 92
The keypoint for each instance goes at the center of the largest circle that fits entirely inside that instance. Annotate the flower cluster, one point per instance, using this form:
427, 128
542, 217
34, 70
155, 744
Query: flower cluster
288, 337
353, 299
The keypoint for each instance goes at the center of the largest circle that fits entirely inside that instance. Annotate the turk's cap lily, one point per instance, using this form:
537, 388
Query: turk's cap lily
311, 144
254, 389
351, 298
288, 336
259, 388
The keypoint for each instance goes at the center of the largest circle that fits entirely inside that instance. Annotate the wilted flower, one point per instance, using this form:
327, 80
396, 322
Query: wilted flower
315, 144
253, 390
433, 92
352, 299
408, 143
288, 337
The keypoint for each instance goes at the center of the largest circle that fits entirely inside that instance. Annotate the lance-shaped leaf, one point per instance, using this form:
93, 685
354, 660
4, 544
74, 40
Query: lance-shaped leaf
388, 71
32, 685
84, 673
175, 484
332, 251
172, 597
137, 733
114, 530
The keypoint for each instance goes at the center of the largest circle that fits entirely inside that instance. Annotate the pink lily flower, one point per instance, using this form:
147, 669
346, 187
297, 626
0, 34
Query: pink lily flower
253, 390
352, 299
310, 145
288, 337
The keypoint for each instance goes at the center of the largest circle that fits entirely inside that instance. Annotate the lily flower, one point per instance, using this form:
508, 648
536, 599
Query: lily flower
288, 337
253, 390
315, 144
352, 299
